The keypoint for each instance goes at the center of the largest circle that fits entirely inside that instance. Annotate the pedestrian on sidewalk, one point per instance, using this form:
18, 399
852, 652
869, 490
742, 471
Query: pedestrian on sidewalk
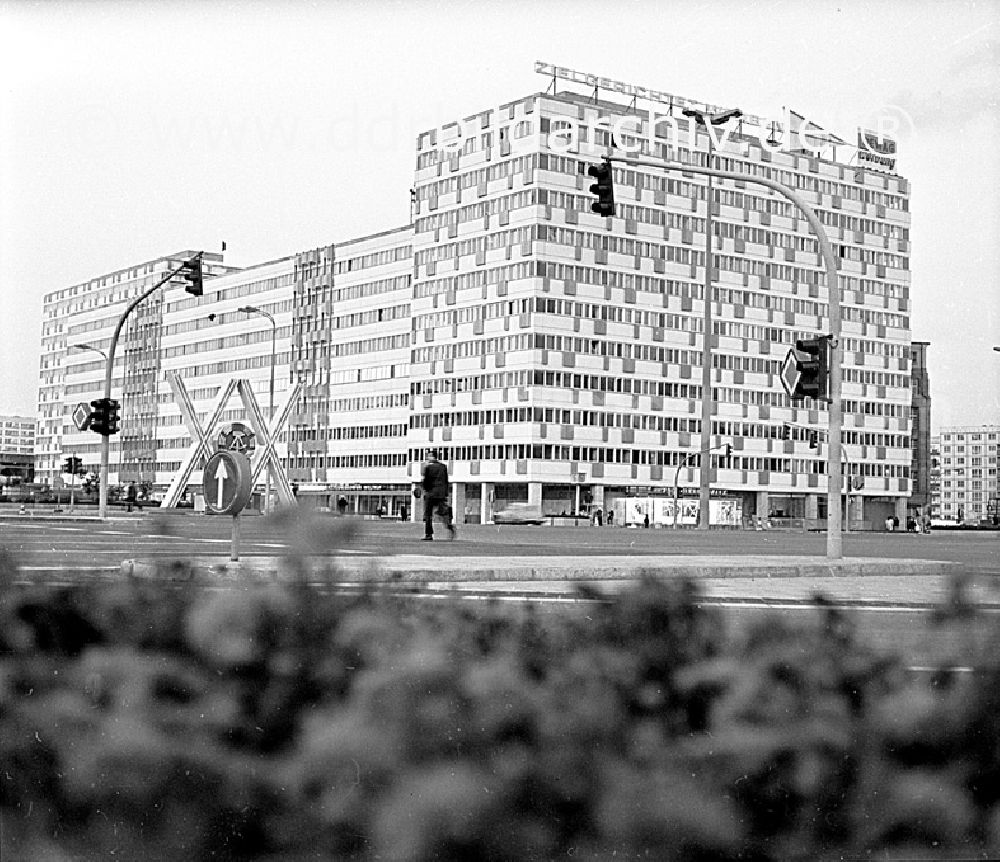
130, 495
436, 488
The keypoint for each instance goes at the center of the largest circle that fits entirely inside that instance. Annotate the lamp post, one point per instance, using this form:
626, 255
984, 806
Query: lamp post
703, 118
253, 309
834, 544
194, 288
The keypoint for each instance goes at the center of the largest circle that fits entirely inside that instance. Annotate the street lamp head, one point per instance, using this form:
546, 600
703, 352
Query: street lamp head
726, 116
83, 346
701, 117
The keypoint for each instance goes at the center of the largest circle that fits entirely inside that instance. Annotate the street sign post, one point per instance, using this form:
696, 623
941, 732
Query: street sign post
226, 483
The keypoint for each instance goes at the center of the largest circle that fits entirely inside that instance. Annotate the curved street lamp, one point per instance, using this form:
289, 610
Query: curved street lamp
705, 119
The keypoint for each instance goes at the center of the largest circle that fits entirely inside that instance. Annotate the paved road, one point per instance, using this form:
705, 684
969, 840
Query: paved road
155, 535
892, 611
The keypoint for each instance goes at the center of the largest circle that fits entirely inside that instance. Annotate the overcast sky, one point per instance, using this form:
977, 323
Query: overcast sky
134, 130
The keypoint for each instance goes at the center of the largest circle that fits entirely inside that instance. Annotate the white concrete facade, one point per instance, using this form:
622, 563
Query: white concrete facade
559, 348
968, 490
552, 355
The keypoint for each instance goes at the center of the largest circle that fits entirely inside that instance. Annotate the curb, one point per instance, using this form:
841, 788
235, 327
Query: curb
460, 569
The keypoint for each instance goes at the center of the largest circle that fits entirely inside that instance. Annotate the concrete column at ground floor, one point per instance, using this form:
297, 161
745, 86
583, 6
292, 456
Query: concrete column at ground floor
855, 507
762, 505
486, 503
535, 494
901, 510
812, 507
458, 501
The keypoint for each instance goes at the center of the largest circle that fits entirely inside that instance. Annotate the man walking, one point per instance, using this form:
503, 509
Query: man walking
436, 486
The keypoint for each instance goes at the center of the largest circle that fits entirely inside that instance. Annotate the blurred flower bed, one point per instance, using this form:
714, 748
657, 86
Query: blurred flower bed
151, 721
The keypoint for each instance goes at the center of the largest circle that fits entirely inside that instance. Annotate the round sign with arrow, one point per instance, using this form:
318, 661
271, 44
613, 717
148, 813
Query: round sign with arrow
226, 482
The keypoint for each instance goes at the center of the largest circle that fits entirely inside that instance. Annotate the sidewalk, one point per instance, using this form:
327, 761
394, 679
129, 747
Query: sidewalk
868, 581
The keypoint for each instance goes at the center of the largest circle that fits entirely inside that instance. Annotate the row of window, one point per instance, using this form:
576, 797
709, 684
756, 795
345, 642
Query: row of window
474, 178
361, 375
474, 245
476, 211
239, 341
661, 217
876, 378
478, 278
850, 437
801, 181
277, 282
650, 457
372, 315
348, 432
383, 257
371, 288
364, 346
506, 309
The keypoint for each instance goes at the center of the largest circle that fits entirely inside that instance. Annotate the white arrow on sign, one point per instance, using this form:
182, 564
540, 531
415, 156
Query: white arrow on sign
220, 476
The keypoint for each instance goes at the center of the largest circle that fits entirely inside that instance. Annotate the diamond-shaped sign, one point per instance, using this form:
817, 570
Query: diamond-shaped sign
790, 373
81, 416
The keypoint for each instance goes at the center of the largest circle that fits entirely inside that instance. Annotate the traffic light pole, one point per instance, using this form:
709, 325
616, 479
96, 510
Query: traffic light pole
834, 543
102, 491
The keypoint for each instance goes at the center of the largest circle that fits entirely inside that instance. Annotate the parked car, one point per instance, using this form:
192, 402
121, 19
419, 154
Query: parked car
519, 513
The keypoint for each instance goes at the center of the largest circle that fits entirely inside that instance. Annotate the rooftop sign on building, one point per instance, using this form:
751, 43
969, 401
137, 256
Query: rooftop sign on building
878, 152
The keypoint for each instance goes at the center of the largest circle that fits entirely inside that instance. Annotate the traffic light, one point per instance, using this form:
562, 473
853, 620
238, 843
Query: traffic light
191, 274
813, 440
99, 417
813, 355
786, 431
105, 418
114, 416
604, 188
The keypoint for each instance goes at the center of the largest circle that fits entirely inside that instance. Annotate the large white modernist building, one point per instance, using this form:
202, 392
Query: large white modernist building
968, 490
551, 355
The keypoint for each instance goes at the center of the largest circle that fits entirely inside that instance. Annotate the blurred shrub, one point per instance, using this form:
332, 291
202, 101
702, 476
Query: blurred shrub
284, 722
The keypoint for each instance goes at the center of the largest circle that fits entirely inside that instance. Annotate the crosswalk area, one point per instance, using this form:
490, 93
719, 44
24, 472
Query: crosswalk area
54, 550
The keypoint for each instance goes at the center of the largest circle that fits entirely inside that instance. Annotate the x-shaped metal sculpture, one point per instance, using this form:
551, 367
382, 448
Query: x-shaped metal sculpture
201, 448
